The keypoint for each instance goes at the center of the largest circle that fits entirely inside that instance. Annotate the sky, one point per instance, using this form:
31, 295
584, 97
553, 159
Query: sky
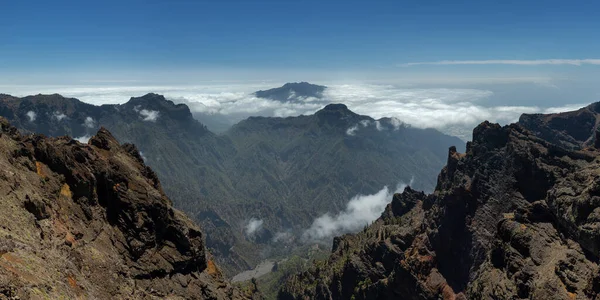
517, 56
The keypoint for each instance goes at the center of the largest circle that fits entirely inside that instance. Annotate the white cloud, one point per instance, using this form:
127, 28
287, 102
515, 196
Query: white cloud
455, 111
534, 62
397, 123
352, 130
253, 225
394, 122
89, 122
143, 156
31, 115
83, 139
282, 236
149, 115
361, 210
58, 115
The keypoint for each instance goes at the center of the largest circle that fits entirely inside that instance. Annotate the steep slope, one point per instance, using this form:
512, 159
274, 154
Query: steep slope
92, 221
280, 172
515, 217
314, 164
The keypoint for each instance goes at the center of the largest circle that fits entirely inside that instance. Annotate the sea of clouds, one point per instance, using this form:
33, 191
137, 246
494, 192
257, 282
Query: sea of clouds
452, 110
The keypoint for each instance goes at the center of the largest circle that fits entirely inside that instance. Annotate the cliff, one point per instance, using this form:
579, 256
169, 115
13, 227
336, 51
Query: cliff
515, 217
83, 221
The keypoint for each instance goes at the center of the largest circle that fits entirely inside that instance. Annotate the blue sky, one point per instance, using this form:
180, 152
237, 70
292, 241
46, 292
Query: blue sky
442, 64
344, 36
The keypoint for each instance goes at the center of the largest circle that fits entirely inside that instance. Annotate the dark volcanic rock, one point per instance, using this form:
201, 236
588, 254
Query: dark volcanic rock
515, 217
92, 222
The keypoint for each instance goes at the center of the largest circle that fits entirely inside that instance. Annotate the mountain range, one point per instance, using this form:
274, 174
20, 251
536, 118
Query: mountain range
257, 187
517, 216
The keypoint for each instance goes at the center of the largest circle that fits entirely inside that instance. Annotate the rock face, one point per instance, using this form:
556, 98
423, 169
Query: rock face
91, 221
515, 217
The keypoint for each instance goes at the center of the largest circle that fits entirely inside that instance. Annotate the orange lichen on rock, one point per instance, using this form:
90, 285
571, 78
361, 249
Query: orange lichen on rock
72, 281
448, 292
9, 268
9, 261
39, 167
75, 286
509, 216
211, 268
70, 239
65, 190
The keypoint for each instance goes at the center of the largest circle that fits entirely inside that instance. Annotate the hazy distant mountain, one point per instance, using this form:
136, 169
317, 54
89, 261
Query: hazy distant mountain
291, 92
262, 180
573, 130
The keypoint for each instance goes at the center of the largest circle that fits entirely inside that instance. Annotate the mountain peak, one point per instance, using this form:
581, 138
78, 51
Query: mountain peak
339, 114
292, 91
302, 84
336, 106
155, 102
150, 98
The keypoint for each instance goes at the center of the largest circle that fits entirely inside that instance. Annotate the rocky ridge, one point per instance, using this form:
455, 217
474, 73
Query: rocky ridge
91, 221
515, 217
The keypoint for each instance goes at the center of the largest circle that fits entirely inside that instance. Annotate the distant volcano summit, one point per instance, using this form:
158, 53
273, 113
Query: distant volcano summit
293, 92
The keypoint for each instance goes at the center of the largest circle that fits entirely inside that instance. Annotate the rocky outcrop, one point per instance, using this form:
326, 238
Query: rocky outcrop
515, 217
91, 221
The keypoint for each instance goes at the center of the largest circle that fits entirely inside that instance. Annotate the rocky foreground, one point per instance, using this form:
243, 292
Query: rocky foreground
515, 217
91, 221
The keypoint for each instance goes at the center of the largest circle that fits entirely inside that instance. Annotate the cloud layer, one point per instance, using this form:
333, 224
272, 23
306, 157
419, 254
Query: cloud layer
452, 110
534, 62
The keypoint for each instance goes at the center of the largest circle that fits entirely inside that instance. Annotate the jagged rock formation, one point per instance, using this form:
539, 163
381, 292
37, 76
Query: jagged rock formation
515, 217
91, 221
